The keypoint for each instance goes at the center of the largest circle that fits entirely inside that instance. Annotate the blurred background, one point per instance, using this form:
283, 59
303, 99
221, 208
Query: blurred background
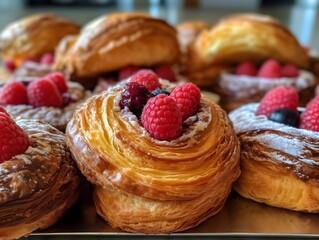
300, 16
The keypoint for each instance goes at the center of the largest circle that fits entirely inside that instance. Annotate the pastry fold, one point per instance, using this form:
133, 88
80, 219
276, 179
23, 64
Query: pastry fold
249, 37
147, 185
34, 36
279, 163
114, 41
37, 187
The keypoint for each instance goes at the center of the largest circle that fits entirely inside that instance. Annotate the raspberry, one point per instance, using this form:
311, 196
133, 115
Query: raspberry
246, 68
310, 117
10, 65
146, 77
43, 93
281, 97
187, 98
47, 59
290, 71
126, 72
58, 79
165, 72
13, 140
2, 110
134, 96
270, 69
30, 59
162, 118
13, 93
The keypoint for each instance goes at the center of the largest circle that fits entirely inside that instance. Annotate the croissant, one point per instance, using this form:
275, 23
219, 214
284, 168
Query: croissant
279, 163
146, 185
114, 41
37, 187
34, 36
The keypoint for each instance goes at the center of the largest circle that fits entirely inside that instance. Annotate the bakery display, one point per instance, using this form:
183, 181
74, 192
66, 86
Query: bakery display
116, 42
49, 98
161, 160
38, 178
279, 151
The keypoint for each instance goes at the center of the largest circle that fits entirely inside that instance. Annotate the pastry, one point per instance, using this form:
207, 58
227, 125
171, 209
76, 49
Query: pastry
34, 36
47, 104
37, 185
146, 179
279, 155
116, 41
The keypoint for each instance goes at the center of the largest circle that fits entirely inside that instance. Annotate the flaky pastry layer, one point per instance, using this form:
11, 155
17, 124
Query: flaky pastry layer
131, 170
279, 163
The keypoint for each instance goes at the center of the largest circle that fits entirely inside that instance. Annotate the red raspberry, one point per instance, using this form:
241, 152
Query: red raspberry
246, 68
44, 93
148, 78
10, 65
30, 59
2, 110
310, 117
270, 69
126, 72
58, 79
13, 93
290, 71
162, 118
165, 72
187, 98
13, 140
281, 97
47, 59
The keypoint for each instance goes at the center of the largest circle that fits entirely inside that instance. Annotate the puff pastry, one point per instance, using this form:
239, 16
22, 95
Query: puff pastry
279, 163
151, 186
34, 36
37, 187
114, 41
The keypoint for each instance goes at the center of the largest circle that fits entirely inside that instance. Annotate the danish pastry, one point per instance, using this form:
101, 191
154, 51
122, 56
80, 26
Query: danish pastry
112, 42
143, 184
34, 36
39, 185
279, 163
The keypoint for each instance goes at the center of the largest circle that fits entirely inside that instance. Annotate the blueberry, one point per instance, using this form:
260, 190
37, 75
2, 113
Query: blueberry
285, 116
159, 91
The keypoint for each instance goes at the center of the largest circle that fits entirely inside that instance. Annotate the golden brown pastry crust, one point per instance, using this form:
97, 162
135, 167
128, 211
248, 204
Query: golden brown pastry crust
279, 163
151, 186
115, 41
249, 37
34, 36
37, 187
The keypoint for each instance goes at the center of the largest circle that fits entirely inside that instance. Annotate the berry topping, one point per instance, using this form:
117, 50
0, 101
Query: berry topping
67, 98
270, 69
127, 72
285, 116
10, 65
162, 118
47, 59
148, 78
165, 72
159, 91
310, 117
187, 98
44, 93
2, 110
13, 93
59, 80
290, 71
246, 68
134, 96
281, 97
13, 140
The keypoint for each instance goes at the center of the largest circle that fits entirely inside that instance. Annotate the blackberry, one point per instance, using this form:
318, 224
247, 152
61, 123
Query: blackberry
159, 91
285, 116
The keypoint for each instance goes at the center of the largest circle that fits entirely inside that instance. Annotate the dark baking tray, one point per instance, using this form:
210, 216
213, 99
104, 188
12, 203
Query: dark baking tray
239, 217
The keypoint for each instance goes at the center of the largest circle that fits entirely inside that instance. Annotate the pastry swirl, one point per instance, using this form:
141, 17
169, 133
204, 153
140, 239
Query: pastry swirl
37, 187
159, 186
279, 163
34, 36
